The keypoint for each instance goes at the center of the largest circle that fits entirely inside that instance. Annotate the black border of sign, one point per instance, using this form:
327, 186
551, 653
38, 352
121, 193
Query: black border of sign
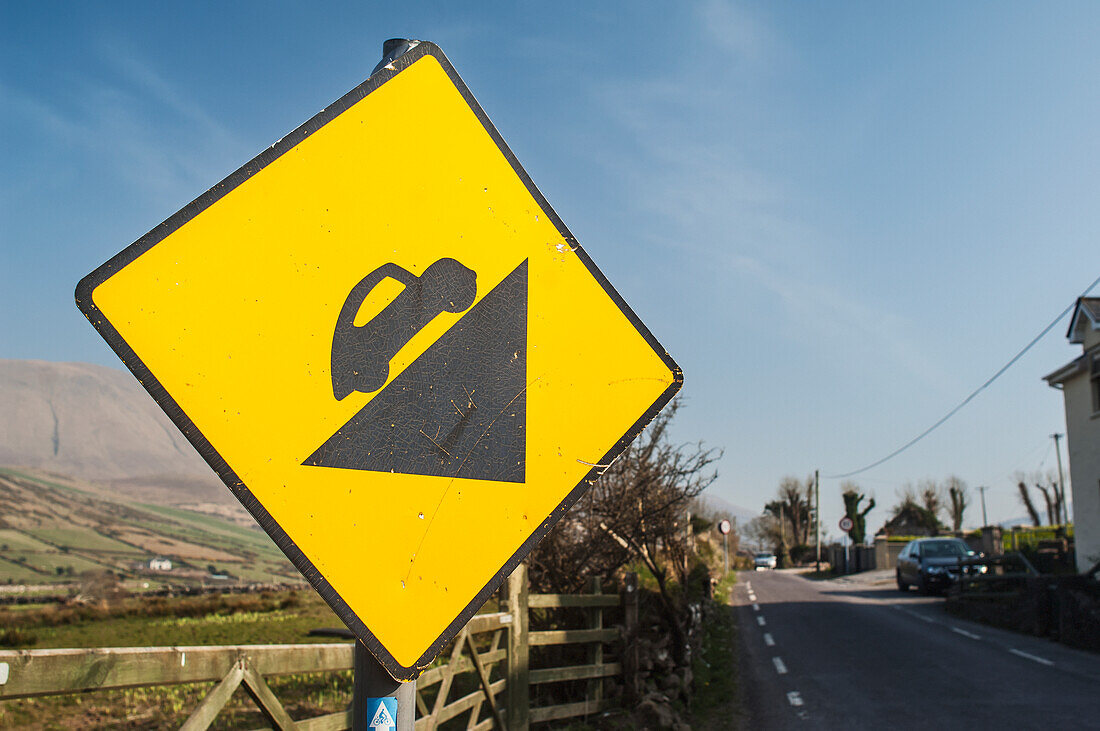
84, 301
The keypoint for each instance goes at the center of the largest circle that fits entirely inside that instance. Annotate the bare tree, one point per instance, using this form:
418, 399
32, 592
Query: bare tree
637, 509
790, 492
794, 504
906, 494
1025, 498
763, 532
959, 498
931, 497
707, 518
852, 498
641, 503
1047, 485
575, 551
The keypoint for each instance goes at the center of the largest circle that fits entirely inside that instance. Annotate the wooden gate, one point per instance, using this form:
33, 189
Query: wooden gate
489, 658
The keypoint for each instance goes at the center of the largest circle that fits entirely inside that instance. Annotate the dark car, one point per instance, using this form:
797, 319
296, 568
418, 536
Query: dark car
933, 564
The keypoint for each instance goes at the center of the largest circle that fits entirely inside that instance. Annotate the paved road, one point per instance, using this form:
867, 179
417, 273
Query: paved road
856, 653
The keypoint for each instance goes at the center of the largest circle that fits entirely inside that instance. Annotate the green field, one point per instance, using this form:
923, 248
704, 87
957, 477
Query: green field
206, 524
70, 565
84, 539
14, 541
53, 533
267, 618
15, 573
212, 619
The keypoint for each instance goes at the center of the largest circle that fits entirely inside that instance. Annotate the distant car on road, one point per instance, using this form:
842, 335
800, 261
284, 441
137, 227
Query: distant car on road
764, 561
933, 564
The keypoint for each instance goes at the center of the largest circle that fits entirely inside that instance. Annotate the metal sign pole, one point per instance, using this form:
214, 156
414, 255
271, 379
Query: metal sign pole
726, 547
817, 519
378, 701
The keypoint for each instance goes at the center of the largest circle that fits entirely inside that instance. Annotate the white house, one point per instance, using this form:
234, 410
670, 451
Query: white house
1079, 381
160, 564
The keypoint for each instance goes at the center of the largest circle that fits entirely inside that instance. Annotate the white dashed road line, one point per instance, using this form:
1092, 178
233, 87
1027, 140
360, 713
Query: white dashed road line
964, 633
793, 697
1029, 656
920, 616
971, 635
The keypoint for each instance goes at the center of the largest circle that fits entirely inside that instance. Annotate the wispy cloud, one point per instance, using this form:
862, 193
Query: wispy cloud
702, 196
136, 126
142, 76
736, 30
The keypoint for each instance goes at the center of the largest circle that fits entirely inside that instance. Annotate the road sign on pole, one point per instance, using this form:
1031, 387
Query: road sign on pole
390, 348
846, 524
724, 527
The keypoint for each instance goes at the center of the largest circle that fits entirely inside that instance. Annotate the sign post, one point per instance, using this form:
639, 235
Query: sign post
391, 349
724, 527
379, 701
846, 525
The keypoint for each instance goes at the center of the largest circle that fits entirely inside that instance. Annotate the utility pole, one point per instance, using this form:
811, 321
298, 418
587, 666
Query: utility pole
817, 518
985, 520
782, 536
1061, 479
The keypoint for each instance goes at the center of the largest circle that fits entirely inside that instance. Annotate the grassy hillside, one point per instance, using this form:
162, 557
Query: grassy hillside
52, 532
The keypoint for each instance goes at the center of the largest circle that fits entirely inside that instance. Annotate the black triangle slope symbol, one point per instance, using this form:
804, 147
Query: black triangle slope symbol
459, 410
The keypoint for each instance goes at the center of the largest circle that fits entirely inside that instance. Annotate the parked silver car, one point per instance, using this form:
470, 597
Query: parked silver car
764, 561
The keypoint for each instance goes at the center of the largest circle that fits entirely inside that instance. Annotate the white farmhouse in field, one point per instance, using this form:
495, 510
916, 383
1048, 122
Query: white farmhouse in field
160, 564
1079, 381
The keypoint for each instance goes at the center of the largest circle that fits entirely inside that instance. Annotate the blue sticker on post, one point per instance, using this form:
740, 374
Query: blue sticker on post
382, 713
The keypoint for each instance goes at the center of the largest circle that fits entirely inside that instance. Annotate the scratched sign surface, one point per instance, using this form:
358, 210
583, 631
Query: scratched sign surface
389, 347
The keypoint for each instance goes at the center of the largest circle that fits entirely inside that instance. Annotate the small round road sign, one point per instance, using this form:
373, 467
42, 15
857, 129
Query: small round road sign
846, 524
724, 527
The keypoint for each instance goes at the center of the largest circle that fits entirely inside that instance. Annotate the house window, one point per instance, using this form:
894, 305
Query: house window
1094, 373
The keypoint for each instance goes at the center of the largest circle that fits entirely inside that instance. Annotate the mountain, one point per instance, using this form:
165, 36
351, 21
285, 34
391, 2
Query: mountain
98, 425
726, 509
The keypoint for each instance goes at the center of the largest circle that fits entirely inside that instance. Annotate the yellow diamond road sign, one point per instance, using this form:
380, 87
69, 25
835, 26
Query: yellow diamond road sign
386, 343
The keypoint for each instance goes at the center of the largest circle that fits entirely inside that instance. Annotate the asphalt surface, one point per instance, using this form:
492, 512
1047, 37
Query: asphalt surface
856, 653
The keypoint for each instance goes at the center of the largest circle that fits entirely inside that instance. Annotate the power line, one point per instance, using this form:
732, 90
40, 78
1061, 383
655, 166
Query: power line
1026, 459
969, 398
1043, 461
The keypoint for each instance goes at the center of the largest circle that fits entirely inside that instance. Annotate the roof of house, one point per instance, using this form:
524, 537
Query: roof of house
1086, 313
1063, 374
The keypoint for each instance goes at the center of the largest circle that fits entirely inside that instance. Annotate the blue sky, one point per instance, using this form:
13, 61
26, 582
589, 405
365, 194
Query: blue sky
839, 218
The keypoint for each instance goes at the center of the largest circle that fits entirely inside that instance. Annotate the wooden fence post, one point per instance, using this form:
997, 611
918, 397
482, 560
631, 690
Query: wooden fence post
631, 696
518, 690
594, 691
